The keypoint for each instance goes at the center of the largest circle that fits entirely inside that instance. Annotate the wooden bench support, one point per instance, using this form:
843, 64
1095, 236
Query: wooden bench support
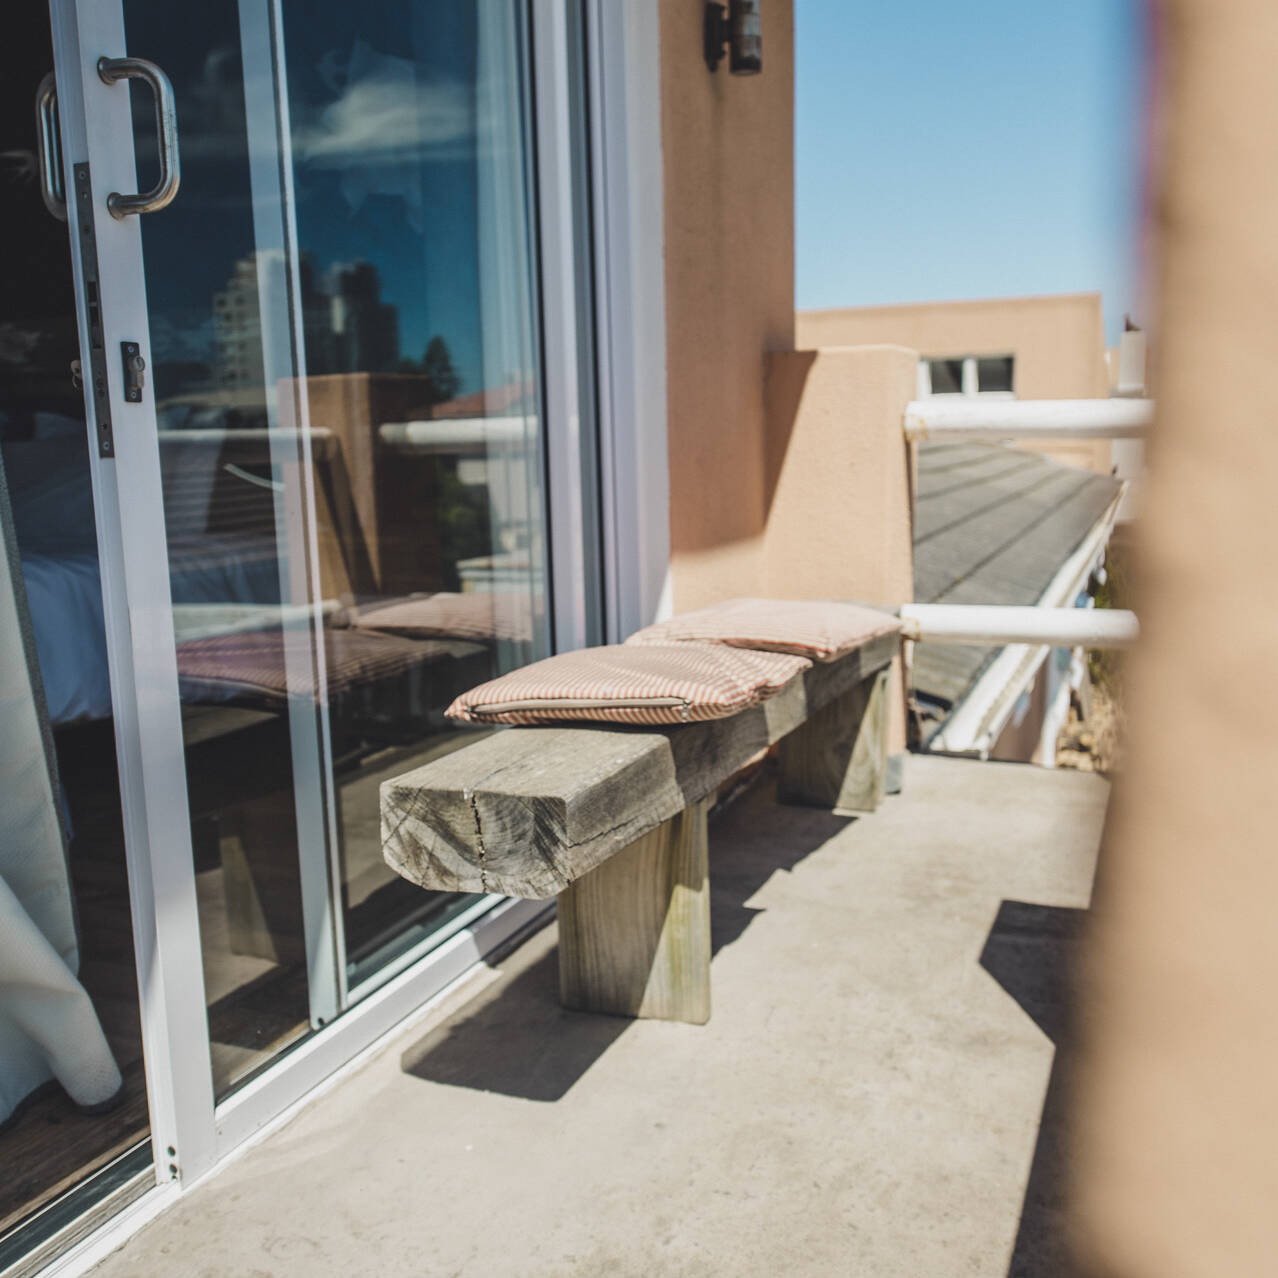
634, 933
838, 758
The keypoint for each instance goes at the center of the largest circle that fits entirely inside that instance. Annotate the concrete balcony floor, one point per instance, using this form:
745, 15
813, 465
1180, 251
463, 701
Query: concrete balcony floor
867, 1098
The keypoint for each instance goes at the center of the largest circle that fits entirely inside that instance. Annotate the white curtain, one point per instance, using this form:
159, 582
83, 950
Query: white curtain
48, 1028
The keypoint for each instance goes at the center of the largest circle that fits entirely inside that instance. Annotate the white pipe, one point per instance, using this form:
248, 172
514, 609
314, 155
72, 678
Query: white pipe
991, 625
963, 417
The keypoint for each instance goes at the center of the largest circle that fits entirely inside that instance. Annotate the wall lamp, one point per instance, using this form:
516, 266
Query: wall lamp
736, 26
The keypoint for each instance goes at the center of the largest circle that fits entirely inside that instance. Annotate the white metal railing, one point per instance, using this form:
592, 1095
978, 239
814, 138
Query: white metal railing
998, 625
960, 417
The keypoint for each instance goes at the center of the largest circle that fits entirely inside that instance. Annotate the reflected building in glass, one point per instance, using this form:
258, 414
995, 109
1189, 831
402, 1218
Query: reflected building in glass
347, 326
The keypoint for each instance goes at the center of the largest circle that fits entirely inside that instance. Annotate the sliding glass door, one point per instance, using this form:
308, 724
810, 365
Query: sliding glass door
343, 365
332, 315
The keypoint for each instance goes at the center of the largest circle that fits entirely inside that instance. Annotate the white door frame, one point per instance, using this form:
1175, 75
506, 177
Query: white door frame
563, 259
97, 128
284, 363
624, 62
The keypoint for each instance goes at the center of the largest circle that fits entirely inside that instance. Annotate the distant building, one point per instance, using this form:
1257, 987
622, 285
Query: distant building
365, 329
348, 328
1049, 347
991, 528
237, 329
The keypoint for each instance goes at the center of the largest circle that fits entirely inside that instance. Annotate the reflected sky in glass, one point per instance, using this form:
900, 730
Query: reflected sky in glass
384, 124
385, 133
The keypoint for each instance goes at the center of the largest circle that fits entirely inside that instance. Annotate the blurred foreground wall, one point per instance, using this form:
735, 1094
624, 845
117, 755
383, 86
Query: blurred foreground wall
1177, 1103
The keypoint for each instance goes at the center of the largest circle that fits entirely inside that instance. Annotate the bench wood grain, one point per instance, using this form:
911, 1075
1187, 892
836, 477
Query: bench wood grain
838, 758
526, 811
634, 933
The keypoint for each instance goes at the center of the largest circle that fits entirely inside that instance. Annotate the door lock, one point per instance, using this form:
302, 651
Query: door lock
134, 371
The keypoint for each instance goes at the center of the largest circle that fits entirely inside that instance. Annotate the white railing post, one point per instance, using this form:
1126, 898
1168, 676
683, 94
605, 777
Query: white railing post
964, 417
991, 625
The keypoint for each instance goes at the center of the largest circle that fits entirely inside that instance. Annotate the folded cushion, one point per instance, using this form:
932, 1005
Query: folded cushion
657, 684
817, 628
478, 616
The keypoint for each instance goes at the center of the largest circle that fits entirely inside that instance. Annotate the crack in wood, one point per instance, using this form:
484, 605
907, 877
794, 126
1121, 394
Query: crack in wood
479, 841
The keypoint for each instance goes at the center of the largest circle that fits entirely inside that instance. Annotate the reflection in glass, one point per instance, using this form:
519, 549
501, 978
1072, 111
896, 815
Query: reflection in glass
410, 170
227, 542
350, 444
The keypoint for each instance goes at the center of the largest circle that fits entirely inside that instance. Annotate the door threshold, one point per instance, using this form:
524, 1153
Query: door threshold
60, 1226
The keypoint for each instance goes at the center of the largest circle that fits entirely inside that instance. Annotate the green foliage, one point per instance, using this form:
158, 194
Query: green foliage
437, 366
1106, 665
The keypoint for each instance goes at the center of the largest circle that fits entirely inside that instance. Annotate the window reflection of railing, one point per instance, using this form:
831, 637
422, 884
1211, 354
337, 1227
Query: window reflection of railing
322, 440
459, 436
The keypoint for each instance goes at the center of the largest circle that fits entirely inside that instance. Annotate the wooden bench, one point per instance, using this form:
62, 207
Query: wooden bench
612, 820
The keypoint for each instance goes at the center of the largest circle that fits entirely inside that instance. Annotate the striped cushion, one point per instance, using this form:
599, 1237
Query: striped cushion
480, 616
671, 683
817, 628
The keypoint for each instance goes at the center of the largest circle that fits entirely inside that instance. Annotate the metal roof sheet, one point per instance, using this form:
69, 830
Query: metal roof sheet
993, 524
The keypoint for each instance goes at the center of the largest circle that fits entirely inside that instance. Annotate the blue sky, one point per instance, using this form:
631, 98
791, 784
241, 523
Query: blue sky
982, 149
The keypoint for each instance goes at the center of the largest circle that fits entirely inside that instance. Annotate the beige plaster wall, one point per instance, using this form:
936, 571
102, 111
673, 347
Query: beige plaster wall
788, 472
1178, 1109
1058, 342
838, 481
839, 517
728, 172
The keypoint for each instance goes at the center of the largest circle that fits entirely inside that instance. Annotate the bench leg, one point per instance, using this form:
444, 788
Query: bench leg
838, 758
634, 933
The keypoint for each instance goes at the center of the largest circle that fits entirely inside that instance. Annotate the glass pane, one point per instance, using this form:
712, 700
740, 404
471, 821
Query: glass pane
947, 376
243, 641
994, 373
346, 383
72, 1085
409, 128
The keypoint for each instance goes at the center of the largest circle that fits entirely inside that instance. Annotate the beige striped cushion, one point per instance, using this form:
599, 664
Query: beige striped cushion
671, 683
816, 628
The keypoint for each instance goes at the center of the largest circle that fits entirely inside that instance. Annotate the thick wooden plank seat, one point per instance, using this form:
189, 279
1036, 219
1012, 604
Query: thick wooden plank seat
612, 821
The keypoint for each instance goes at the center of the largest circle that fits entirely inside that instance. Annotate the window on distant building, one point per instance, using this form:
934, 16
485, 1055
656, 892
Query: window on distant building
967, 375
994, 375
947, 376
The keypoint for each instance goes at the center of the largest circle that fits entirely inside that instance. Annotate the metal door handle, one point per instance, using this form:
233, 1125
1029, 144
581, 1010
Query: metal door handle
49, 148
113, 70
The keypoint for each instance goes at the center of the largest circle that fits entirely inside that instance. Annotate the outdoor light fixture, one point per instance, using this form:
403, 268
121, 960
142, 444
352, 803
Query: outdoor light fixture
738, 26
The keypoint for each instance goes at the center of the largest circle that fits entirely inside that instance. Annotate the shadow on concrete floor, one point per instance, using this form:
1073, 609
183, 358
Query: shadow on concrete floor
517, 1040
1033, 952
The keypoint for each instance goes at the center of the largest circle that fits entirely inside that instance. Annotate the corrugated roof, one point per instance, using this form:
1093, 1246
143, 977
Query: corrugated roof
993, 525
